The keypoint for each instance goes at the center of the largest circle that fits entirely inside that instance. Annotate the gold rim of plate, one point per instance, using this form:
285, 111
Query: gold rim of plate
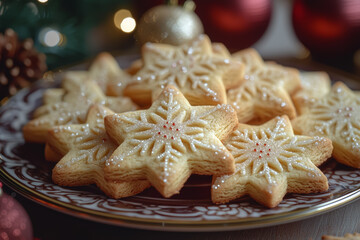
177, 225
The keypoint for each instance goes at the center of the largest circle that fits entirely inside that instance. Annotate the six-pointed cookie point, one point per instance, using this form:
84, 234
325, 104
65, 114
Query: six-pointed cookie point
170, 141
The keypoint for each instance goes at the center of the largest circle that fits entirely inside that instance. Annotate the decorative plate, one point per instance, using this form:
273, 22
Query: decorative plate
23, 168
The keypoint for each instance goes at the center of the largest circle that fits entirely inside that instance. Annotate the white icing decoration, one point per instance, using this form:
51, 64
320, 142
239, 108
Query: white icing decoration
337, 116
168, 133
91, 143
267, 153
256, 86
185, 65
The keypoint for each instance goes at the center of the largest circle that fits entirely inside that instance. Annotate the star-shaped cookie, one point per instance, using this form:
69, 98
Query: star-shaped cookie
314, 85
85, 148
217, 49
170, 141
106, 72
193, 67
271, 161
337, 117
265, 93
79, 95
109, 76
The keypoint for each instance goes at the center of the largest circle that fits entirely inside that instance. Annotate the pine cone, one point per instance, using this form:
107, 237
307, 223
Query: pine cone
20, 63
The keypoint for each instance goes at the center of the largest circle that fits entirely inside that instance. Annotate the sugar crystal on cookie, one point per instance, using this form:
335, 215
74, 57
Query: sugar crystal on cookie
84, 149
336, 116
191, 67
269, 160
169, 139
266, 91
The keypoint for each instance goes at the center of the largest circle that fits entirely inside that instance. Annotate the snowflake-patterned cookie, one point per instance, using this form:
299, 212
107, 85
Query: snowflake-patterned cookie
265, 93
271, 161
79, 95
336, 116
193, 68
217, 49
85, 148
170, 141
314, 85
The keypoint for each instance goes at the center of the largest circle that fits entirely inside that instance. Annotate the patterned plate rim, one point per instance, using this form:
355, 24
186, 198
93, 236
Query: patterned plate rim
177, 225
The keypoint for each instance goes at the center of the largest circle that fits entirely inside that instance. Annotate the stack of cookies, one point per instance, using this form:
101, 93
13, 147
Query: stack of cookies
259, 128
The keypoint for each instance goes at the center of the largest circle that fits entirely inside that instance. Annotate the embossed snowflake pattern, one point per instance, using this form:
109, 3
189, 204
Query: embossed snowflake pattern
268, 158
336, 116
193, 68
85, 148
88, 142
72, 109
265, 92
171, 139
269, 154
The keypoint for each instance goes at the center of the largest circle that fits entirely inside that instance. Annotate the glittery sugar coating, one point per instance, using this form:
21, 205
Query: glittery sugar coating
85, 148
270, 161
170, 141
265, 92
88, 139
80, 94
191, 67
337, 117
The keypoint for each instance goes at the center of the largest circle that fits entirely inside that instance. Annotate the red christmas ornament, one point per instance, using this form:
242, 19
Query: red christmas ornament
236, 23
14, 222
328, 28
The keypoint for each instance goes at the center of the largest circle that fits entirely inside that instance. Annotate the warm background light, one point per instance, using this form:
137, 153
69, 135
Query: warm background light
43, 1
124, 21
128, 25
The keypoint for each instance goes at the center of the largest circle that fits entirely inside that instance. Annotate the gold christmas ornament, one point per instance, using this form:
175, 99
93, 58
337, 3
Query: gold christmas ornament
170, 24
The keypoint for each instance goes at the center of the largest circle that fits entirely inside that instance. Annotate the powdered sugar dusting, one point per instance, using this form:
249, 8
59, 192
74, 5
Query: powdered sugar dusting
167, 133
337, 116
186, 66
89, 140
268, 152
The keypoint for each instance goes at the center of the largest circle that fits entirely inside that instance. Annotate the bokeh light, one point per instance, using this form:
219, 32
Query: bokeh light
128, 25
124, 21
50, 37
42, 1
